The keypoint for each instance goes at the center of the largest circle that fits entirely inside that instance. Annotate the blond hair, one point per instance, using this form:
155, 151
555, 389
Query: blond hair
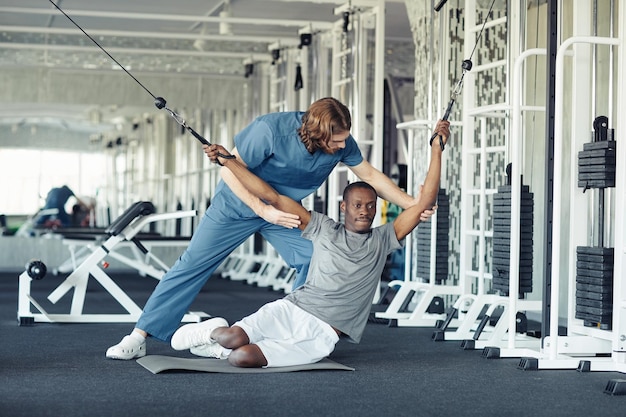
324, 118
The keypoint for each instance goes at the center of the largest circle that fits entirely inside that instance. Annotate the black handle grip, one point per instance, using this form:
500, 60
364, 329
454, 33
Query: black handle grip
448, 110
206, 142
440, 5
445, 117
197, 136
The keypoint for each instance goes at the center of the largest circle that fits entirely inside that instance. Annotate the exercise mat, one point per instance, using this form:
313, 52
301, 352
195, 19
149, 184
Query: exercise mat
160, 363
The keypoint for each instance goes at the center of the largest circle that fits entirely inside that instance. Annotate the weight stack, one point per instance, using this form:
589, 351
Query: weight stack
502, 240
594, 265
596, 165
596, 162
594, 286
441, 247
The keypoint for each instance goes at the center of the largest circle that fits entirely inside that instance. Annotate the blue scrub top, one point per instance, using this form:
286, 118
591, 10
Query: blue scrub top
272, 149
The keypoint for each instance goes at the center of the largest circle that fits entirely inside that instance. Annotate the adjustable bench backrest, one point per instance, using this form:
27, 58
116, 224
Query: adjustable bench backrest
140, 208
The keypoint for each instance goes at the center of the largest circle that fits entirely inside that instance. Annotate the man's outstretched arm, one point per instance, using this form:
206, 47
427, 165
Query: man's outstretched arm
410, 218
257, 186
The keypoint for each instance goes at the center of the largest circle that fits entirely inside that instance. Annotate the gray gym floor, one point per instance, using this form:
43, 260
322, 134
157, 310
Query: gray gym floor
60, 370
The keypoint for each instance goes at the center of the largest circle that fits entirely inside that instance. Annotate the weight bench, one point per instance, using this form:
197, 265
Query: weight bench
81, 245
125, 230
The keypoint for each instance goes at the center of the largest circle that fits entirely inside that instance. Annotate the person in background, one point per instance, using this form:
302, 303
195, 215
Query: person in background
56, 200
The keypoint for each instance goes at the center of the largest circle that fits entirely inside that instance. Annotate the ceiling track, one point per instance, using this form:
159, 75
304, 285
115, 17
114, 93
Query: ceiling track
315, 25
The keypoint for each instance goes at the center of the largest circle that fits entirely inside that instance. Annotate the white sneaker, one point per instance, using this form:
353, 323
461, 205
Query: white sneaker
128, 348
196, 334
210, 350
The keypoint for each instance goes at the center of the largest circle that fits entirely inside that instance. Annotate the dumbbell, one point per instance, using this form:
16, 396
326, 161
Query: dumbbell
36, 269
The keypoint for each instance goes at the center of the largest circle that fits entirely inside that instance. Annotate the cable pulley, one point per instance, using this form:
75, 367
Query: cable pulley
466, 66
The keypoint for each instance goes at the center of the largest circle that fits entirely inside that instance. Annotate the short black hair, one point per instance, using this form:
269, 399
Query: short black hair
357, 184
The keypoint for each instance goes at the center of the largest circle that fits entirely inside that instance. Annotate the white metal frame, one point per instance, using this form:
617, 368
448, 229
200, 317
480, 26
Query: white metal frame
370, 15
147, 264
513, 346
469, 306
78, 280
473, 301
423, 292
619, 285
581, 343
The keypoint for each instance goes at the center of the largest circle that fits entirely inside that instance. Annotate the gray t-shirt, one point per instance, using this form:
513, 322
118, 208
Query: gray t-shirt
344, 273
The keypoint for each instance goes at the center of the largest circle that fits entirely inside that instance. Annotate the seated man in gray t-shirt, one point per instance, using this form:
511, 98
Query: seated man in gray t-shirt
345, 268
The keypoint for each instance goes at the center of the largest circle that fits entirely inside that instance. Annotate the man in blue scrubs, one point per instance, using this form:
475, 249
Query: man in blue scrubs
294, 152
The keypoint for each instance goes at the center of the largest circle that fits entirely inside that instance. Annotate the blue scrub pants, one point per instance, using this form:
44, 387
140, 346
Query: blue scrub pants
217, 235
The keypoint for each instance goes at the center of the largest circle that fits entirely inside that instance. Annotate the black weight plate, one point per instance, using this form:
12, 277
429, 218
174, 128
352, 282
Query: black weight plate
594, 317
604, 305
595, 281
594, 295
508, 188
595, 273
595, 250
599, 312
596, 259
585, 169
597, 153
594, 265
603, 289
589, 176
599, 160
609, 183
602, 144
